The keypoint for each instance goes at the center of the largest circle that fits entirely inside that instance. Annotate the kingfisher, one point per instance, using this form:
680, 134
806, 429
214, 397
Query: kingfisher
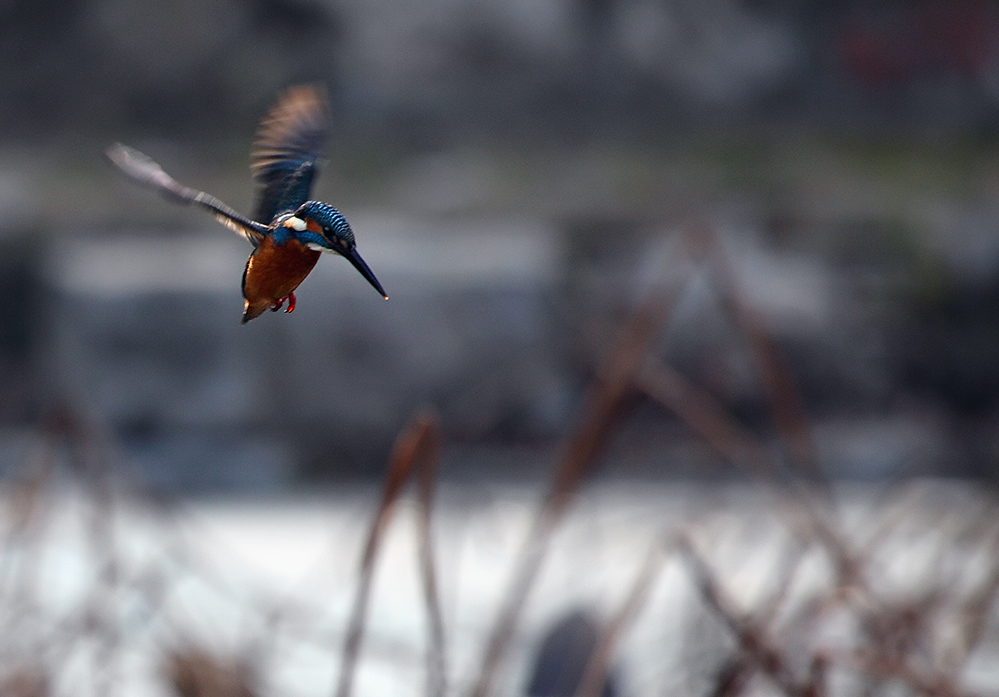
288, 231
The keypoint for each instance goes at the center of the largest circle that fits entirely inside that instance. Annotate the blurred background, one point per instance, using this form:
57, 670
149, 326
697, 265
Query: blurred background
511, 170
521, 176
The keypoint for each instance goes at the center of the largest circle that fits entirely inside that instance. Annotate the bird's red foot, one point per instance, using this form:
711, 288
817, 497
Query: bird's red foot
279, 303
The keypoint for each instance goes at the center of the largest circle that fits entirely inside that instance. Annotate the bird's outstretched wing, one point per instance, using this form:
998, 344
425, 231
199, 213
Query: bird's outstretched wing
143, 170
286, 150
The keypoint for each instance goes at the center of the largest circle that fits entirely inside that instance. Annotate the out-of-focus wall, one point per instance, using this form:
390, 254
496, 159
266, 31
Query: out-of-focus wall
515, 173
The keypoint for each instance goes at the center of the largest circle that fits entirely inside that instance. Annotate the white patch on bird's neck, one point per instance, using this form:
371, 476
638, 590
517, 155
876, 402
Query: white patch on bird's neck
295, 223
320, 248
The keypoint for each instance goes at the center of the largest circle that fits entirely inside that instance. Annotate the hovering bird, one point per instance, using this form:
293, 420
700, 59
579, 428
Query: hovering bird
288, 232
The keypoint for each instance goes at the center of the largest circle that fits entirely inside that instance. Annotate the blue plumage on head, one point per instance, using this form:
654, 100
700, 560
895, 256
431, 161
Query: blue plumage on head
329, 218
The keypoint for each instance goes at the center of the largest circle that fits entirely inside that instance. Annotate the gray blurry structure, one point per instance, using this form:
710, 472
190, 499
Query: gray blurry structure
489, 322
562, 656
143, 332
514, 172
422, 71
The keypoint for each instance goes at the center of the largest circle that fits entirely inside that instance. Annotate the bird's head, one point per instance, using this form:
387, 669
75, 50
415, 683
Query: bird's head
322, 227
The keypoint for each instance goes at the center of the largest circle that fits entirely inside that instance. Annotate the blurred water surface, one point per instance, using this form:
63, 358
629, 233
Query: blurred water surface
272, 582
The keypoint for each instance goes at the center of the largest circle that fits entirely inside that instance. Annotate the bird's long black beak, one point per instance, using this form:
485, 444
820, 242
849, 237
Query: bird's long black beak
354, 258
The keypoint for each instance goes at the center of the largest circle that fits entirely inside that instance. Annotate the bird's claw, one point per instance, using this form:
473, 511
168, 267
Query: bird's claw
279, 303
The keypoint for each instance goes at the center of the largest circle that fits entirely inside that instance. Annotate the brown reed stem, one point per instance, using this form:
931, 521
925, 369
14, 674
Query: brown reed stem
415, 447
971, 616
753, 639
706, 417
436, 657
598, 666
788, 412
602, 406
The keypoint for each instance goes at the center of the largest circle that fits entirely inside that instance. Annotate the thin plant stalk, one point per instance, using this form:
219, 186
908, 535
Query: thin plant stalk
414, 447
602, 408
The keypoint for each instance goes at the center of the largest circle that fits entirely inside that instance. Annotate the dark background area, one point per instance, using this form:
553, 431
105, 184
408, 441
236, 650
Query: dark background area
514, 173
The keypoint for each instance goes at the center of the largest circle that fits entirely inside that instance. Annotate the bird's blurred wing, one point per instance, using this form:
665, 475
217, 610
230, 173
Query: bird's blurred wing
143, 170
286, 151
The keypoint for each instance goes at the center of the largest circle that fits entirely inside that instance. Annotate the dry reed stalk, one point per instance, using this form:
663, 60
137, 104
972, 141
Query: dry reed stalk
921, 680
733, 676
599, 664
416, 447
26, 681
818, 677
89, 450
754, 641
28, 505
788, 412
436, 657
27, 517
787, 570
739, 670
983, 527
709, 419
602, 406
896, 637
736, 673
63, 430
789, 415
706, 417
614, 380
195, 673
895, 510
900, 641
971, 617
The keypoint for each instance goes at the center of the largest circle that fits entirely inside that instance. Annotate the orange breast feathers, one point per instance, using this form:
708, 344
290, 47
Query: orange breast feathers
274, 271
